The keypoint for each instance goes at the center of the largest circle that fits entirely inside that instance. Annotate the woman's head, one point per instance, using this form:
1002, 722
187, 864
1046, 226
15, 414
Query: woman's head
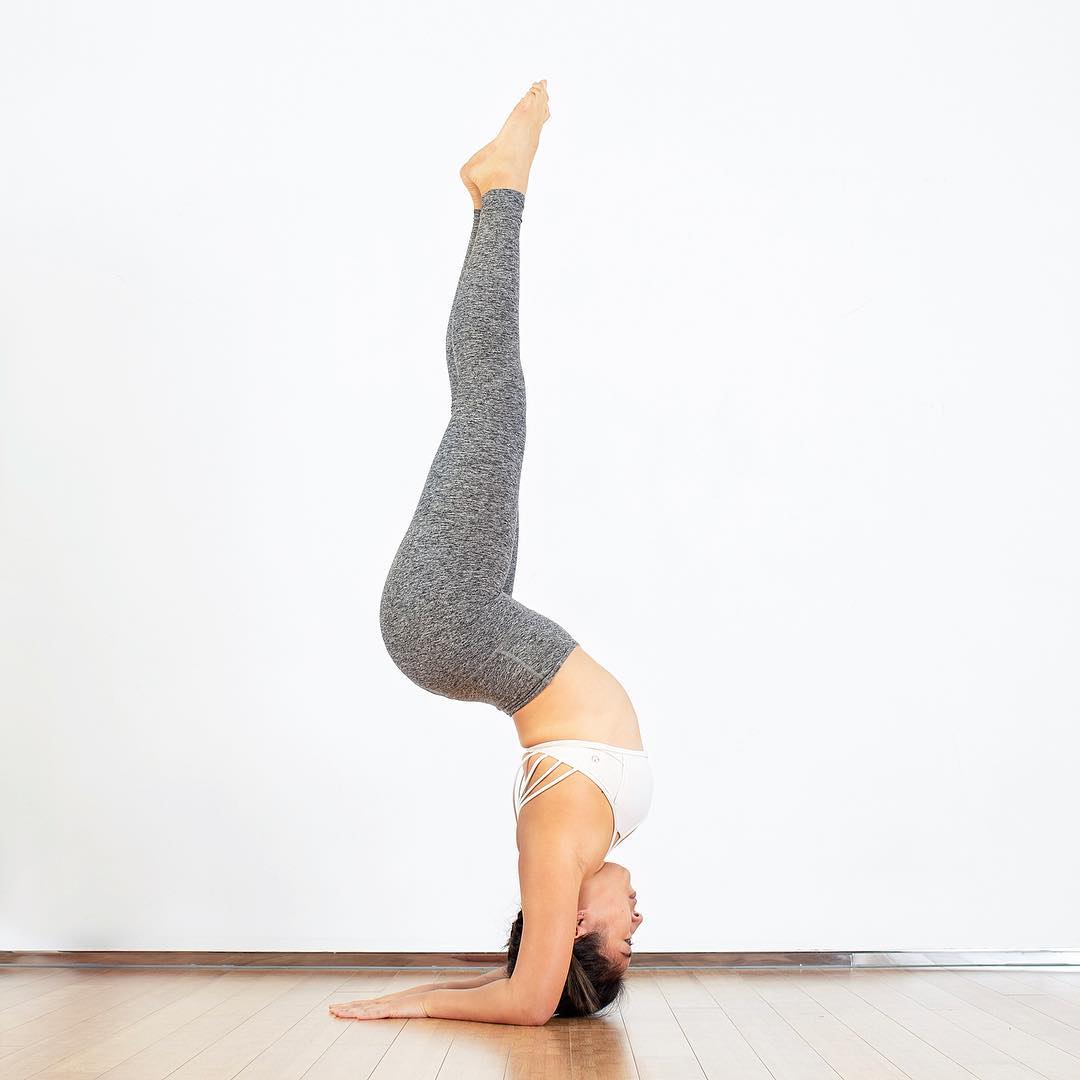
606, 919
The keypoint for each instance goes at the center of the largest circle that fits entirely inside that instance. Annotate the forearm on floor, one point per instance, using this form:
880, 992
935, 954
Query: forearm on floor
494, 1003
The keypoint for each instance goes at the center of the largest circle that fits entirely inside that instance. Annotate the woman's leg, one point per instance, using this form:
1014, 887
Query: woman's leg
456, 318
451, 363
451, 366
447, 616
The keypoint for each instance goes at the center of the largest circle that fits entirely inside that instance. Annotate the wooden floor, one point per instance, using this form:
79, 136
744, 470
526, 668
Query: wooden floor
144, 1024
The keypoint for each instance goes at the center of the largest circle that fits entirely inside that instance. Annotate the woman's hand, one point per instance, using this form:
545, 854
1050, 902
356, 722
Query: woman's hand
390, 1005
382, 1008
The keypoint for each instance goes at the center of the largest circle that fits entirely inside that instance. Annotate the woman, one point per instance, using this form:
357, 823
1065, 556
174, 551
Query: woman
451, 625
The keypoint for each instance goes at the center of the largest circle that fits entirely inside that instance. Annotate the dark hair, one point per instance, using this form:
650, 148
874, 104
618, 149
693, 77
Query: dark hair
593, 981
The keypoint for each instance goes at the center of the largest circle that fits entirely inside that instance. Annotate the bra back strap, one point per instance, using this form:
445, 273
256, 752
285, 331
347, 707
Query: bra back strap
527, 792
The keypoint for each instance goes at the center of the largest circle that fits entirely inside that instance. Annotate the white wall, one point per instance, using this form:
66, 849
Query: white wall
800, 327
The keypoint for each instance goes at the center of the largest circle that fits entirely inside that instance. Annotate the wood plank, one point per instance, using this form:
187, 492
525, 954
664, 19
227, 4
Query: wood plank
418, 1052
42, 981
231, 1053
728, 989
1038, 982
297, 1049
62, 1036
926, 994
478, 1052
683, 988
539, 1053
55, 1012
1052, 1063
600, 1049
720, 1048
938, 1031
365, 984
1027, 1049
718, 1045
782, 1050
18, 976
851, 1057
22, 1011
1001, 982
661, 1050
357, 1051
172, 1052
904, 1049
1010, 1010
96, 1045
361, 1044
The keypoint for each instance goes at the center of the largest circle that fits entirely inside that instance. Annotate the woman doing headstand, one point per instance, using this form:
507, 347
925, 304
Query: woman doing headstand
452, 625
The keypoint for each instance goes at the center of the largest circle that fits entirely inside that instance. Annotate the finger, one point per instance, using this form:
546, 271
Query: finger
361, 1014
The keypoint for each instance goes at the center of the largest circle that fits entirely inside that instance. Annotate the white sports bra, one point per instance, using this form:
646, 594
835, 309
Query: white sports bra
623, 775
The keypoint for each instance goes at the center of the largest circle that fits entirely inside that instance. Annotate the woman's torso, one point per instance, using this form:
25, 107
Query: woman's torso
583, 701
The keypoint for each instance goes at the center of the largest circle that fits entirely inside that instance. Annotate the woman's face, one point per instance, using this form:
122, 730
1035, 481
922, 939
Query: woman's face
608, 902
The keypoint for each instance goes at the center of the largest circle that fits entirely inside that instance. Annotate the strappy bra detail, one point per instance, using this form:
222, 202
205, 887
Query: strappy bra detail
622, 774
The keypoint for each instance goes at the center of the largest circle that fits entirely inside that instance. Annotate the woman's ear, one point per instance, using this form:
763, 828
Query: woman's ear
580, 928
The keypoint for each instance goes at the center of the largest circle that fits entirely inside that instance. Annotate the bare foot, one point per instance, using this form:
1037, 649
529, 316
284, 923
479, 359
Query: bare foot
474, 192
507, 159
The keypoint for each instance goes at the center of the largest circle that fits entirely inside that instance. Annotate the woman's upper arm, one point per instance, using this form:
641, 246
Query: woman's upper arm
468, 982
490, 976
550, 878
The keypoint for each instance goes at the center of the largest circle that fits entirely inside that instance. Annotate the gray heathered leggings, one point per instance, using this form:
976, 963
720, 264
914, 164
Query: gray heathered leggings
447, 616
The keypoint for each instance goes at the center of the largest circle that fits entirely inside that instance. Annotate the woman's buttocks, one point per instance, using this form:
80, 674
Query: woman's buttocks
583, 701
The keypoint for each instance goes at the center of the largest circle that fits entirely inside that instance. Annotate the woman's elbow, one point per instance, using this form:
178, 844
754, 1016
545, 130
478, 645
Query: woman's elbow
536, 1017
531, 1006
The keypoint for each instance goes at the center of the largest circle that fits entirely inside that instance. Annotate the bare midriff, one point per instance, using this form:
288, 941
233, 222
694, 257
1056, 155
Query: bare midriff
583, 701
